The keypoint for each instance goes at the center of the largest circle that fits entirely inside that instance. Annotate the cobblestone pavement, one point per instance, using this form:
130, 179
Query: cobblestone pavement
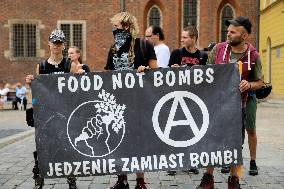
16, 161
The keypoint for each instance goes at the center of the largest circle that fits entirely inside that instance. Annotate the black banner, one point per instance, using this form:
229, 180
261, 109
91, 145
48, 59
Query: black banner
121, 121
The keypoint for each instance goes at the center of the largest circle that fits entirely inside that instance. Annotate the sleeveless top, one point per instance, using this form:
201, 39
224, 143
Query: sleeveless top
63, 67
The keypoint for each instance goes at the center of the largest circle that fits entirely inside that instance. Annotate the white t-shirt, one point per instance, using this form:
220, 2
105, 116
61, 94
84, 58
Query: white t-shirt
3, 94
163, 55
21, 92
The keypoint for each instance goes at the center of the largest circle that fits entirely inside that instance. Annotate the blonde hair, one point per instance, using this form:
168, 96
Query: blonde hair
130, 22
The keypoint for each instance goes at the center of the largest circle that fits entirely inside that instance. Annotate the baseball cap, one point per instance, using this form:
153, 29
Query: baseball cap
57, 36
240, 21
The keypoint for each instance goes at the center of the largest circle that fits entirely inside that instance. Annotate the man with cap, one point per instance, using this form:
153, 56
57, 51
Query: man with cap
238, 51
55, 64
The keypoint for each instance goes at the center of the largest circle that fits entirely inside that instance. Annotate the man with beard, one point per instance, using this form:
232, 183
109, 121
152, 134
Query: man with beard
237, 51
129, 53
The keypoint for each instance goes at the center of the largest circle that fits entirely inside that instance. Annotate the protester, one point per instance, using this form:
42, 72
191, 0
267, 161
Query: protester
126, 54
4, 89
55, 64
21, 92
188, 55
75, 56
238, 51
155, 35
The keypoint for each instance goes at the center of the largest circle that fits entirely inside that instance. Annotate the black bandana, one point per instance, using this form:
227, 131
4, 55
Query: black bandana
122, 39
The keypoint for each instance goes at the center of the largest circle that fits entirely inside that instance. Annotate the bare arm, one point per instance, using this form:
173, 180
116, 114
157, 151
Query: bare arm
252, 85
29, 78
152, 64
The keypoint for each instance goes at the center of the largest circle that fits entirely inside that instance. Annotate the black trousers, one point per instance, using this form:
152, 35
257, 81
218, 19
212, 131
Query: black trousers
16, 100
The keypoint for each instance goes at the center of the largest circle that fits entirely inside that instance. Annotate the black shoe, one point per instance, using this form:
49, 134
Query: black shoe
253, 170
233, 182
71, 180
225, 169
121, 183
140, 184
207, 182
172, 173
194, 171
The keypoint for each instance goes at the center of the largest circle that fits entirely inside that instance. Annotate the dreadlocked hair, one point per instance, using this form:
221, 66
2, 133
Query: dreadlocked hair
128, 22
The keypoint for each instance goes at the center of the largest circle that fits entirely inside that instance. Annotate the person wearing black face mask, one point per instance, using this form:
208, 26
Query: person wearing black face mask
129, 53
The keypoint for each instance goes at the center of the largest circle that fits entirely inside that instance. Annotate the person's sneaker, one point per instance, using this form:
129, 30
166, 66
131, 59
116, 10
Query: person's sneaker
253, 170
121, 183
194, 171
233, 182
172, 173
140, 184
225, 169
207, 182
71, 180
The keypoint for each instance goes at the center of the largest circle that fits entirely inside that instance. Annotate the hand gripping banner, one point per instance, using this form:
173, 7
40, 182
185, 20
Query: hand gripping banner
122, 122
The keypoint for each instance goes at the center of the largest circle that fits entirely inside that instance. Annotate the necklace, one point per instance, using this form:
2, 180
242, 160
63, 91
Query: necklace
53, 62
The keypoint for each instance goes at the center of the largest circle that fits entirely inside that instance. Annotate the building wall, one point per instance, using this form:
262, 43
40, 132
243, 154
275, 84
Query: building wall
272, 13
96, 14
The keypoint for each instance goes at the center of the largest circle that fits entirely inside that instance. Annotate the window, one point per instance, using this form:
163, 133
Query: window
75, 35
189, 13
154, 16
226, 13
24, 39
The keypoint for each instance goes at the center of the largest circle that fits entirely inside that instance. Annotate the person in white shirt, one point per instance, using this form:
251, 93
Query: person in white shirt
3, 94
155, 35
20, 96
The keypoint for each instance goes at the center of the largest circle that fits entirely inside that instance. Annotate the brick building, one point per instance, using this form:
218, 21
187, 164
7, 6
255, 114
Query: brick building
25, 26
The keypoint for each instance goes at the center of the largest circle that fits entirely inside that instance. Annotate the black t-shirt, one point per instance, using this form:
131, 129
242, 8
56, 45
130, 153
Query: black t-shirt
182, 57
142, 57
47, 68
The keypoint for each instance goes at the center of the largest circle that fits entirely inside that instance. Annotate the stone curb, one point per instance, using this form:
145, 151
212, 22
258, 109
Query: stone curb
14, 138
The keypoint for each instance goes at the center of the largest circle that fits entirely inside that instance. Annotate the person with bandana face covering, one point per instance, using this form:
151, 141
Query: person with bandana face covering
129, 53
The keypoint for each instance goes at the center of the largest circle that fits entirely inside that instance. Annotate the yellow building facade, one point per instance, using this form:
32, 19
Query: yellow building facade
271, 44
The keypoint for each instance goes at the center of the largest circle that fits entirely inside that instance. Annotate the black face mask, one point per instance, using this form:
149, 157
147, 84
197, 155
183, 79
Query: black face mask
122, 38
